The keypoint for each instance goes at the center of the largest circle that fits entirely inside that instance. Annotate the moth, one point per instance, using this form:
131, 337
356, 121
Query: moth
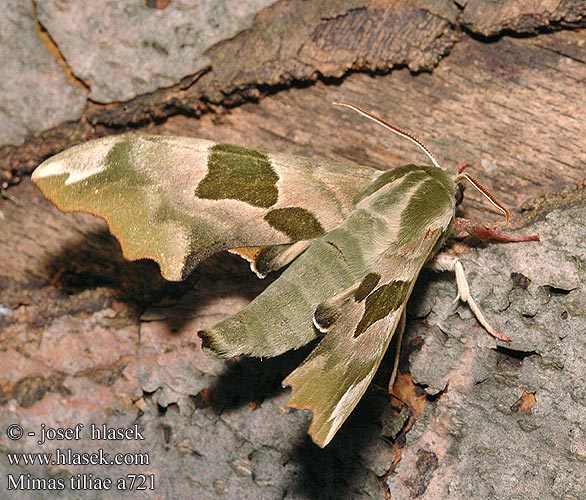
353, 238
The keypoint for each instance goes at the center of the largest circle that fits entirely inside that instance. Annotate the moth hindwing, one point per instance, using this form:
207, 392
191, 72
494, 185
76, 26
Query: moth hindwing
354, 240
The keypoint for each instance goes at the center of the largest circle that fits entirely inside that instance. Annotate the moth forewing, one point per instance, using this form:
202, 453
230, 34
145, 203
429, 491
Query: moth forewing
178, 200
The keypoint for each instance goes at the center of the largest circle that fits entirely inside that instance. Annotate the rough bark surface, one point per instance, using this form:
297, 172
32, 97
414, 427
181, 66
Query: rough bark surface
87, 337
291, 43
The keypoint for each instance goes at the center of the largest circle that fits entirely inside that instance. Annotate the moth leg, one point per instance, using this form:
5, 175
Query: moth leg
447, 262
486, 233
398, 343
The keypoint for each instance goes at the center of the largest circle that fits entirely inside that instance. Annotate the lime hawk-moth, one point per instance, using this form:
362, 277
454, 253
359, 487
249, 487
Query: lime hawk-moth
353, 238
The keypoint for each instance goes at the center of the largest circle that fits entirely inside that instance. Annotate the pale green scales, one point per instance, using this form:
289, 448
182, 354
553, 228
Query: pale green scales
178, 200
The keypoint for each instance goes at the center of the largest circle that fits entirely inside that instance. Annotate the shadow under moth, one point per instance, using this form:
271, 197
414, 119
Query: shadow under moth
354, 240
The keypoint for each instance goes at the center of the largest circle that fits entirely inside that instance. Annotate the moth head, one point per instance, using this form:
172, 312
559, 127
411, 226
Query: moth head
460, 188
460, 177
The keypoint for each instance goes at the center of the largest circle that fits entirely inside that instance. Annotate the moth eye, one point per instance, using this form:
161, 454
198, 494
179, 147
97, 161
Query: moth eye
459, 193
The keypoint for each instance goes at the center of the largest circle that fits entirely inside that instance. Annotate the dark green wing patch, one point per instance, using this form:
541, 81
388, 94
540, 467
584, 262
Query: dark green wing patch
239, 173
381, 302
296, 222
366, 286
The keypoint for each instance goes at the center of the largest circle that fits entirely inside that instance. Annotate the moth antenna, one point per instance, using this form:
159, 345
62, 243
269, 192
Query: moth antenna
392, 128
489, 196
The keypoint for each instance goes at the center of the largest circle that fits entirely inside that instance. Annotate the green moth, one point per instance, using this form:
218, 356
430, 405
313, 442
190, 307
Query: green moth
354, 239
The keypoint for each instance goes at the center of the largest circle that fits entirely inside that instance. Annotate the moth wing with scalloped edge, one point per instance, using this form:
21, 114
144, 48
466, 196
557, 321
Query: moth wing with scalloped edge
178, 200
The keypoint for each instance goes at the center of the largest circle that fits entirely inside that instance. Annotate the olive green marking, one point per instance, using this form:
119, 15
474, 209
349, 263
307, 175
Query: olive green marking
296, 222
428, 203
366, 286
384, 179
415, 173
197, 230
389, 201
239, 173
118, 176
381, 302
